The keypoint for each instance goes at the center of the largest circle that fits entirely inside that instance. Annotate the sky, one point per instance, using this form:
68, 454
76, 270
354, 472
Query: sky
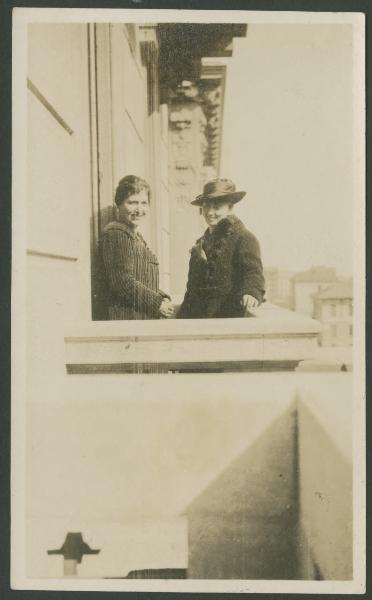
287, 141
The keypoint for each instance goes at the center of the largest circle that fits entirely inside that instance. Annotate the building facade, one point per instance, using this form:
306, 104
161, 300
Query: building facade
333, 307
192, 83
306, 284
278, 284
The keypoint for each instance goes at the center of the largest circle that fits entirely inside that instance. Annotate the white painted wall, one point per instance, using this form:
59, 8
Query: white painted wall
59, 193
58, 201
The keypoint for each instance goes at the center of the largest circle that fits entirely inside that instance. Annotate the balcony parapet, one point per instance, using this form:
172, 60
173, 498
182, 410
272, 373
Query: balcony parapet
273, 339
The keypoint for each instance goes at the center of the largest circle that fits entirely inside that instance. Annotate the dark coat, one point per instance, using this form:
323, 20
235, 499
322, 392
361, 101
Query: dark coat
131, 274
224, 266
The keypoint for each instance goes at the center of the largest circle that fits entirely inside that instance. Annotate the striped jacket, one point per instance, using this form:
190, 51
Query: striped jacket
131, 274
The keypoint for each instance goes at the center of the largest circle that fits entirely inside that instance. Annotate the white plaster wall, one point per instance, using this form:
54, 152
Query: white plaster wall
58, 163
58, 201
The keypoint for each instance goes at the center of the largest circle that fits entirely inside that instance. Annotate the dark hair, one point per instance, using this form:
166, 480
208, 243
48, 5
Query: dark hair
129, 185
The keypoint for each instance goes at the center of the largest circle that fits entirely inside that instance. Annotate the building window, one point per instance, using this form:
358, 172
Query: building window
350, 308
333, 330
333, 310
350, 330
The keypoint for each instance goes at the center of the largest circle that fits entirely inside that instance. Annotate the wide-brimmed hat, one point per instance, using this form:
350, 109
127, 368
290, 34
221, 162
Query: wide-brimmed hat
219, 189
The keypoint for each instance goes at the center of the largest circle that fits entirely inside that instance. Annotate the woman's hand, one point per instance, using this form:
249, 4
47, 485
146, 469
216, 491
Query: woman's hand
166, 308
249, 302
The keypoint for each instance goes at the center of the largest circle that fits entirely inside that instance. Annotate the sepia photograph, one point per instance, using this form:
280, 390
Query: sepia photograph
188, 296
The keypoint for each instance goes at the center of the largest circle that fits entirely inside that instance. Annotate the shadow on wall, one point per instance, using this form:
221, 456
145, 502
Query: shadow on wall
99, 285
277, 512
244, 525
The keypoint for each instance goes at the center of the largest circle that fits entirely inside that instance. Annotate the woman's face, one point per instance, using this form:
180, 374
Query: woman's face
134, 208
214, 211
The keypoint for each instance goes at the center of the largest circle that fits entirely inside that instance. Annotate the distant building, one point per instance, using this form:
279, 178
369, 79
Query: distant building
308, 283
278, 286
333, 307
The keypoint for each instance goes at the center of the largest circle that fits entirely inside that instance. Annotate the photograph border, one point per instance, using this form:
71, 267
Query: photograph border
19, 424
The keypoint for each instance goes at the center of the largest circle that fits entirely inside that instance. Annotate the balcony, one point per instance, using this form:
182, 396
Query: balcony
274, 339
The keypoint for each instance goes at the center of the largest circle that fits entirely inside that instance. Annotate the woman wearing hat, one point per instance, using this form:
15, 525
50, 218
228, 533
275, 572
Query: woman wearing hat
225, 271
131, 269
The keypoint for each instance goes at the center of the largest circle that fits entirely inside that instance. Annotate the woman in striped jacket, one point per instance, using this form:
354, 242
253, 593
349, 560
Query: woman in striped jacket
131, 269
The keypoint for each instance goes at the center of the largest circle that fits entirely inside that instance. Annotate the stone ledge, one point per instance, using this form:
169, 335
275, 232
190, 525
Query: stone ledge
273, 339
